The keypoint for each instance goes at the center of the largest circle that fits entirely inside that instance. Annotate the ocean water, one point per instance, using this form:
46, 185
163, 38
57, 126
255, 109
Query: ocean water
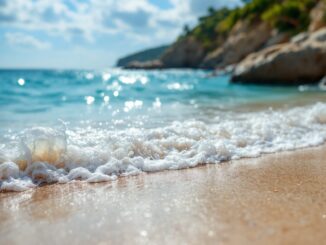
97, 125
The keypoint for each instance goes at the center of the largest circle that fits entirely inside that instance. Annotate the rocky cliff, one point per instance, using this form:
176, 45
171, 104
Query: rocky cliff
302, 60
275, 41
317, 17
243, 40
186, 53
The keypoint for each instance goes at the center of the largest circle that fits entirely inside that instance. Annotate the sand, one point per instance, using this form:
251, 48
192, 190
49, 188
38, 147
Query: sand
275, 199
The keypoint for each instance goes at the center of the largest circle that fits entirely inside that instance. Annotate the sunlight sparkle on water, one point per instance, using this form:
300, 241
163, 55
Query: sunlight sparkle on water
144, 80
89, 100
21, 81
157, 103
179, 86
89, 76
106, 99
128, 79
114, 86
129, 105
133, 79
106, 76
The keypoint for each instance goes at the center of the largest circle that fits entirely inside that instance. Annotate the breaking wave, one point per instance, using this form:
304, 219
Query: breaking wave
41, 155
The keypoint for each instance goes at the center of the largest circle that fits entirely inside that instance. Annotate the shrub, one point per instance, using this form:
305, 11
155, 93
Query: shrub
205, 31
290, 16
285, 15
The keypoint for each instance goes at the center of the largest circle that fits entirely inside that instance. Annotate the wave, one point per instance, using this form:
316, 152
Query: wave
41, 155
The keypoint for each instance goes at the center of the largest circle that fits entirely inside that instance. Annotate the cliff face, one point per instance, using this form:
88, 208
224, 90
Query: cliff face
242, 41
258, 40
186, 53
303, 60
317, 16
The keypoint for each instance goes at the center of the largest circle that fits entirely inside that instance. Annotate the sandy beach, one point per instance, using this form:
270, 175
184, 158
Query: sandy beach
275, 199
162, 122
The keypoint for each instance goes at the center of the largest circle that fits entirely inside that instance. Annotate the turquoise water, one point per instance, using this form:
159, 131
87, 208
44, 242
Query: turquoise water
122, 98
61, 126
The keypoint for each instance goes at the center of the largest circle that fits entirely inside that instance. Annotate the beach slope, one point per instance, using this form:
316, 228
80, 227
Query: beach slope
275, 199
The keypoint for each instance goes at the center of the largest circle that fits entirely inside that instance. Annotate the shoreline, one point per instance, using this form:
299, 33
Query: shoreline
276, 198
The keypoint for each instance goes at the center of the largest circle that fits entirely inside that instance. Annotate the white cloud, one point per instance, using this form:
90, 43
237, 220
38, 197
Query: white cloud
25, 40
137, 19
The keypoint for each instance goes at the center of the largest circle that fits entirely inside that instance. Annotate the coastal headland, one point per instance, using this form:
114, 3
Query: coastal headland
261, 42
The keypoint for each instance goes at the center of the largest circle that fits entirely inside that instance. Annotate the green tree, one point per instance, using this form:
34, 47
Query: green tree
290, 16
186, 30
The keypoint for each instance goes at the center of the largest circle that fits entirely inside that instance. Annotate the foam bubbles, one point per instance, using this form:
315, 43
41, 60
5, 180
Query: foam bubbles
8, 170
79, 174
42, 145
23, 184
48, 155
41, 172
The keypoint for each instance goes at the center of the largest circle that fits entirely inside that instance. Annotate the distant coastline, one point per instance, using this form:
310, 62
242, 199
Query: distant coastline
260, 42
143, 56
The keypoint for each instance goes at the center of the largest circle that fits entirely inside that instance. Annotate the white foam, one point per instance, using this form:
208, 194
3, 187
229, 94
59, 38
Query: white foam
47, 155
8, 170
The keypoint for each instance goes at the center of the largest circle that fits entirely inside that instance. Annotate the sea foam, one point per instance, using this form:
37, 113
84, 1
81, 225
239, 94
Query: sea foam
39, 155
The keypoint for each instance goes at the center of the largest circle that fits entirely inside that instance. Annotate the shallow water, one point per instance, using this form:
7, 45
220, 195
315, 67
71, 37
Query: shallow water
58, 126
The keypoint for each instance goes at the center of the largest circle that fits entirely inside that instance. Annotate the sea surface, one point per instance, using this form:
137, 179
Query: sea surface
97, 125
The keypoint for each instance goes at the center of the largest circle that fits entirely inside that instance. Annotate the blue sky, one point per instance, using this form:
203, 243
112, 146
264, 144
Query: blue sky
90, 33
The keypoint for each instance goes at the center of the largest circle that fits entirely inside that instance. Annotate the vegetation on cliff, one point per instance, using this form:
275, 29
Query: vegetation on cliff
284, 15
224, 37
290, 15
206, 31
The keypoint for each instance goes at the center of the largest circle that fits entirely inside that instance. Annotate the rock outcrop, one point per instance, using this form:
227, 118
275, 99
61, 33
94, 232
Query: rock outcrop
185, 53
277, 38
317, 17
257, 52
244, 39
301, 61
147, 65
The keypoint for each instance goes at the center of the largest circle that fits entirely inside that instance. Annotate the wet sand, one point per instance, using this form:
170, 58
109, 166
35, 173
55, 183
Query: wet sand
276, 199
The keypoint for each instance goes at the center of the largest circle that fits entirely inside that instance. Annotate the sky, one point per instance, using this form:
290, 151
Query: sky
90, 33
